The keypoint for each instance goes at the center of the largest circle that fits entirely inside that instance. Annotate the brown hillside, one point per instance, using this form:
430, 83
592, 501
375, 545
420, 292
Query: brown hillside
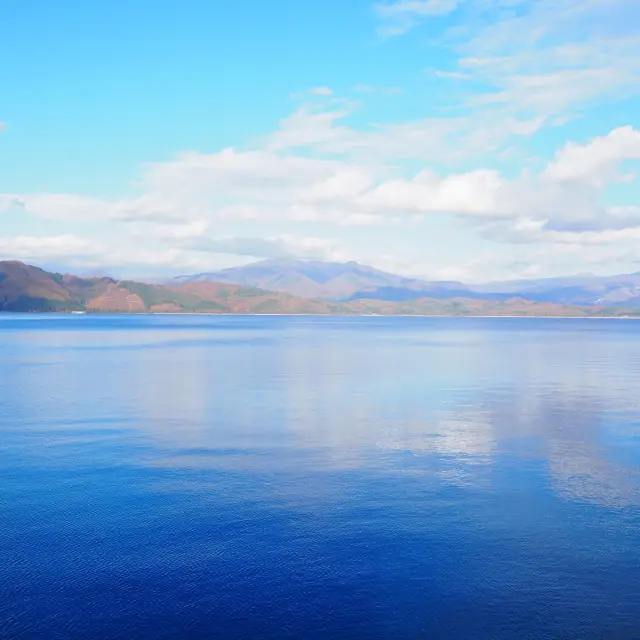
116, 298
473, 307
27, 288
241, 299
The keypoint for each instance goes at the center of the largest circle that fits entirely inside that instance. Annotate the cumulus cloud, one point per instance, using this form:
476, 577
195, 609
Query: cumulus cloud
63, 206
44, 247
195, 190
256, 185
474, 193
565, 195
598, 161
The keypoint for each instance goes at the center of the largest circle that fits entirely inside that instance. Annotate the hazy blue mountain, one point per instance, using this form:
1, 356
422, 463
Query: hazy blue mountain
330, 280
579, 289
353, 281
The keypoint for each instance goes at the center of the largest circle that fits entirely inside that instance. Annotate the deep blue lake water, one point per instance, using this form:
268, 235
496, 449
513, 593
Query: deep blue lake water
357, 478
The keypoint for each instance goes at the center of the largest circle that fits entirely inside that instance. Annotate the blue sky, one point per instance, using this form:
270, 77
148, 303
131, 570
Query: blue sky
462, 139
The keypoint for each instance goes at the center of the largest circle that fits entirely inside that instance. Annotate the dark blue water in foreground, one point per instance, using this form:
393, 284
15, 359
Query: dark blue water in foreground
253, 477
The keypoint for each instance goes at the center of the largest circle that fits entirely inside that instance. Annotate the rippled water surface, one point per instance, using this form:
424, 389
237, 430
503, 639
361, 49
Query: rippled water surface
273, 477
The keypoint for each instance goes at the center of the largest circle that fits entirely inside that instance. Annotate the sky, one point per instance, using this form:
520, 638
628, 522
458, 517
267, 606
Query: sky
469, 140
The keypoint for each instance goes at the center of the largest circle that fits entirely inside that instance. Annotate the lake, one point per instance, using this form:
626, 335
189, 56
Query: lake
300, 477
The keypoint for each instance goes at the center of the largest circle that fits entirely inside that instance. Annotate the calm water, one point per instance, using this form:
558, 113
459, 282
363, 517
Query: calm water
253, 477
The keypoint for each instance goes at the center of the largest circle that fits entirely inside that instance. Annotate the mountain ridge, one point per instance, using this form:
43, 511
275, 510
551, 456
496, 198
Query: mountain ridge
32, 289
350, 281
336, 281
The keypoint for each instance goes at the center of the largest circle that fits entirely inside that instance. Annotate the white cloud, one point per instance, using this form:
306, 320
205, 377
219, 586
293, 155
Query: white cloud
425, 8
473, 193
452, 75
566, 194
445, 140
284, 246
548, 92
258, 185
181, 253
321, 91
62, 206
598, 161
402, 15
308, 127
536, 57
187, 197
557, 56
44, 247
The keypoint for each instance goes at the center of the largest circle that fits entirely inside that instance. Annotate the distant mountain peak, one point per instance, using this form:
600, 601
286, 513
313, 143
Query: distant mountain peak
323, 279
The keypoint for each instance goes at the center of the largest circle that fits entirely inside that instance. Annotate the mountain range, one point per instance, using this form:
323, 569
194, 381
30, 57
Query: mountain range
27, 288
361, 289
346, 282
316, 279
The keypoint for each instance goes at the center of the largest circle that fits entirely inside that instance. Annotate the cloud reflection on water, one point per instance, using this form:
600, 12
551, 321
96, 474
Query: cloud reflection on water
442, 398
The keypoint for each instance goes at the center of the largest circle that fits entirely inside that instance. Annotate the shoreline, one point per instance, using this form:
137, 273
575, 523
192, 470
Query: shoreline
308, 315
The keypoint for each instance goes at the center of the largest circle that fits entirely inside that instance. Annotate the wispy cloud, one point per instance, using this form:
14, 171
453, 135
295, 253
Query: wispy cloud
534, 56
401, 16
445, 140
321, 91
453, 75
